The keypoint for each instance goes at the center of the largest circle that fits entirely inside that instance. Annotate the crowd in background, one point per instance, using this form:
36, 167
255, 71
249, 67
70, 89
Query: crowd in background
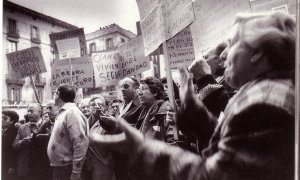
233, 119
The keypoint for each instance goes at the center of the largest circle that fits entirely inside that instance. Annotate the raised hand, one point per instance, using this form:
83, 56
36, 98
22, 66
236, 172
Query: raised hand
199, 68
126, 143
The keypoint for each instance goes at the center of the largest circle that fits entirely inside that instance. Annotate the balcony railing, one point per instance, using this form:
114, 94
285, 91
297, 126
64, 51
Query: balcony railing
13, 32
11, 79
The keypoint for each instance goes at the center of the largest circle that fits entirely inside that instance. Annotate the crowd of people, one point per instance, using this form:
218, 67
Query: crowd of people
233, 119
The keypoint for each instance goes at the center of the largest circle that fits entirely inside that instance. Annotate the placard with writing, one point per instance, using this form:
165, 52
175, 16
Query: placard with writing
181, 49
214, 19
132, 57
82, 73
107, 68
27, 62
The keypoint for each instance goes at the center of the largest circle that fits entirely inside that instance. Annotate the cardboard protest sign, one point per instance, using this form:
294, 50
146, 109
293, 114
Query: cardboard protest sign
69, 44
27, 62
181, 49
68, 48
107, 68
162, 20
82, 73
214, 19
132, 57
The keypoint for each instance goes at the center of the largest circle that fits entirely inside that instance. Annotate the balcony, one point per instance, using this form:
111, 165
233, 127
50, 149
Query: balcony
35, 38
11, 79
13, 32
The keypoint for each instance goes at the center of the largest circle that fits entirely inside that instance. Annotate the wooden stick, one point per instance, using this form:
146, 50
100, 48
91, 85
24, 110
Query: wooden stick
34, 88
170, 85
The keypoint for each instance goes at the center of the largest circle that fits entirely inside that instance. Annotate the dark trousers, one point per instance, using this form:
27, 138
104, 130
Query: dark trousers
62, 172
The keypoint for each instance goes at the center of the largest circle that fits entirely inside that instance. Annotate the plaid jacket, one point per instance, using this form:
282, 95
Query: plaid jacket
69, 141
255, 140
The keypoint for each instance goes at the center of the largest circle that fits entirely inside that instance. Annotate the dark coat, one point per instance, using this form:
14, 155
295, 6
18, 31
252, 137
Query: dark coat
8, 152
24, 151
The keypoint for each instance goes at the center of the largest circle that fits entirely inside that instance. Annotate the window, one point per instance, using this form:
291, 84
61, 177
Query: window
11, 46
14, 94
109, 43
12, 30
35, 35
92, 48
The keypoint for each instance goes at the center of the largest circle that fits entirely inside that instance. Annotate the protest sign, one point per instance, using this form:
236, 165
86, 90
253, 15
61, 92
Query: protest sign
82, 74
163, 21
132, 57
107, 68
214, 19
27, 62
68, 48
65, 44
181, 49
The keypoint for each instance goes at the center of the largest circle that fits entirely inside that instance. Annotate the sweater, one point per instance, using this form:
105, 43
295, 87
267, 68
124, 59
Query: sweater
69, 141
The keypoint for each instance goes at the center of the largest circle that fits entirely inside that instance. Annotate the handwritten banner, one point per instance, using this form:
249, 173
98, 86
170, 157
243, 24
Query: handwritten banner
27, 62
214, 20
181, 49
107, 68
65, 44
162, 20
132, 57
82, 74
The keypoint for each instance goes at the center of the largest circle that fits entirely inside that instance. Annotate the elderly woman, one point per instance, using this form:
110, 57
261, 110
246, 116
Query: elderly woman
9, 133
255, 137
99, 160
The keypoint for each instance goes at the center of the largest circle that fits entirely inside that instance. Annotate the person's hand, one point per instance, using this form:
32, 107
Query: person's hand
186, 85
199, 68
75, 176
34, 128
26, 141
126, 143
108, 122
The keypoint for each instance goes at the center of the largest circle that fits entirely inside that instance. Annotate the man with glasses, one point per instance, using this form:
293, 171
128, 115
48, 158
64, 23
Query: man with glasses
69, 142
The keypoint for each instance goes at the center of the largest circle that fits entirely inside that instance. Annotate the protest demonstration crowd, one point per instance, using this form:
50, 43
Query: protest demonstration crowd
232, 116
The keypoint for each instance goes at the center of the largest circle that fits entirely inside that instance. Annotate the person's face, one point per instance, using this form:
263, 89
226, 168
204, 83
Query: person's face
34, 113
213, 60
127, 89
52, 111
115, 107
46, 117
238, 60
144, 94
85, 109
96, 106
5, 121
56, 97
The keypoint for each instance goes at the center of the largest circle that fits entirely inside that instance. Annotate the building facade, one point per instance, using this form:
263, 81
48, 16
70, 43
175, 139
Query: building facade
24, 28
288, 6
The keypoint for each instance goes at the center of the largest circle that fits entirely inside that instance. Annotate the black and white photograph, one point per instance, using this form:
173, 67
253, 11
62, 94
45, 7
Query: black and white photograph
150, 90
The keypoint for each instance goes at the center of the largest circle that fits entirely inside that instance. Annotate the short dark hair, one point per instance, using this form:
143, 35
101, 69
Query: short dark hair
175, 87
154, 85
14, 117
66, 93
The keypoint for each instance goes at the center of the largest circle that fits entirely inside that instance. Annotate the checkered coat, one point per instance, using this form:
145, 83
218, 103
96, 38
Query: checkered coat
254, 140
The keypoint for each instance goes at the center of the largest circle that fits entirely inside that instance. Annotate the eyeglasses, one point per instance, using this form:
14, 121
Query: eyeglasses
141, 89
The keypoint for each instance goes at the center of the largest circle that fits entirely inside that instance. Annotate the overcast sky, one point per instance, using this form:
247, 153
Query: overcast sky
89, 14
